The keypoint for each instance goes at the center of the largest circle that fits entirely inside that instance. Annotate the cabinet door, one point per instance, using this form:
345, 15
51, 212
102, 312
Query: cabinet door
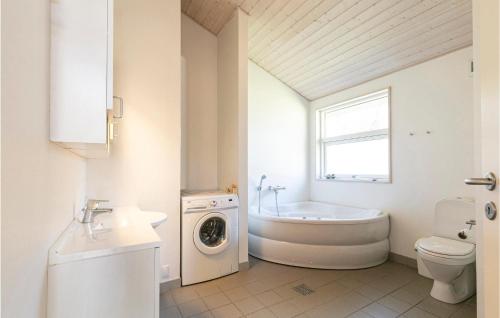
118, 286
80, 67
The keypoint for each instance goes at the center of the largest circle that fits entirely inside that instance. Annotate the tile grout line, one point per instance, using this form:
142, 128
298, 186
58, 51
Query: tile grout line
388, 294
311, 277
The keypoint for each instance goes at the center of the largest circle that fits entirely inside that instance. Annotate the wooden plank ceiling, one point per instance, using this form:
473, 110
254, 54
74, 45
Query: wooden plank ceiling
318, 47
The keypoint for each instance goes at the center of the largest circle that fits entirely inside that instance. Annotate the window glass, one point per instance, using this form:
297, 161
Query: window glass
368, 158
354, 139
371, 115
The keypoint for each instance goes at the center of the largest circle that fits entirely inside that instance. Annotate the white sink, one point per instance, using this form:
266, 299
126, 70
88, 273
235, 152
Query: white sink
125, 229
120, 218
154, 218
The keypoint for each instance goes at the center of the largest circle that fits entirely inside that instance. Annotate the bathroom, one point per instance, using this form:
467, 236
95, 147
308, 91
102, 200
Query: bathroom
218, 94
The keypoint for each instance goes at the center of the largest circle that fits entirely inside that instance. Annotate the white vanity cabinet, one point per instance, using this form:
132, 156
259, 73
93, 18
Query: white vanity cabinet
106, 269
124, 285
81, 92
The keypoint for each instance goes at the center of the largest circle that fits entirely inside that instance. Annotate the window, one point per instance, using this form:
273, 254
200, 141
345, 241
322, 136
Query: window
353, 139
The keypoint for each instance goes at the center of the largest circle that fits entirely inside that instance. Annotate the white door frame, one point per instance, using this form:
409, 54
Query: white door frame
487, 150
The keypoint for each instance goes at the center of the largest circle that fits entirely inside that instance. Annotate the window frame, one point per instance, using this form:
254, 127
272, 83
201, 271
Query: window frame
378, 134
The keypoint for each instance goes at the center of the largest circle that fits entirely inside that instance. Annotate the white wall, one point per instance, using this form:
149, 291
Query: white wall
45, 182
227, 63
435, 96
199, 47
144, 165
233, 115
243, 132
0, 169
278, 143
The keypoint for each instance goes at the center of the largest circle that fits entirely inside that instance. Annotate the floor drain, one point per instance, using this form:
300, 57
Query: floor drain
303, 289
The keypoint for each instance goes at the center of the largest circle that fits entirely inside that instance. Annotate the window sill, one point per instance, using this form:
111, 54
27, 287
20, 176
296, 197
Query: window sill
383, 181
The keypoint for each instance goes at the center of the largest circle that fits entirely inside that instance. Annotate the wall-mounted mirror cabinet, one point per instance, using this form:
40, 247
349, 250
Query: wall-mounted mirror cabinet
81, 93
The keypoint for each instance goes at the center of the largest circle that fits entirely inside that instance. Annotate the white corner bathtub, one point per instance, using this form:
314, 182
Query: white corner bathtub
319, 235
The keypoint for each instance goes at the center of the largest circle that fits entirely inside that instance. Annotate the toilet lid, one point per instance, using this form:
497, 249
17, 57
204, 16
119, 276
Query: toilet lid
444, 246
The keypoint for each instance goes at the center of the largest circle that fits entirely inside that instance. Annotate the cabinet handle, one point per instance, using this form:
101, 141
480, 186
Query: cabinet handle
120, 99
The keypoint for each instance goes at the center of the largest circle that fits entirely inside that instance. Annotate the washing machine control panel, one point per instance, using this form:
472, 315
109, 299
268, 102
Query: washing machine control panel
230, 201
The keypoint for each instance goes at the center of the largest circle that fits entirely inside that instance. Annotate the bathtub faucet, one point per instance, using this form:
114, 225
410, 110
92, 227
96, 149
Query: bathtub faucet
259, 188
276, 190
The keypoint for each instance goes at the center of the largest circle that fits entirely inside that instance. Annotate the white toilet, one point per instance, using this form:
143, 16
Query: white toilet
447, 258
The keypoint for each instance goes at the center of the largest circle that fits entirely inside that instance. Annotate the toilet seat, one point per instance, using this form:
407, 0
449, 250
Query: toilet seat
446, 251
444, 246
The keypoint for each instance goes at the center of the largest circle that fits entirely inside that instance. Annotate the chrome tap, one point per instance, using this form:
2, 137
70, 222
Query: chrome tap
276, 190
92, 209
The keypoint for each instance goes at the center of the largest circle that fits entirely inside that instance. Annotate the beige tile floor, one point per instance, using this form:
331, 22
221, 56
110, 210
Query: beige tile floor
266, 290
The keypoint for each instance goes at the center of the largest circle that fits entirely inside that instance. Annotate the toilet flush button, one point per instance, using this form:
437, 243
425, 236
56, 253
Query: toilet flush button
490, 210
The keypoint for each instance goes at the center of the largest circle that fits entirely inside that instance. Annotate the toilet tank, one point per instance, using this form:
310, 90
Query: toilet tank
450, 217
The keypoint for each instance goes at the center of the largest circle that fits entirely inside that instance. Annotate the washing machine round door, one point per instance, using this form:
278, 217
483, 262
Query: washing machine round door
211, 233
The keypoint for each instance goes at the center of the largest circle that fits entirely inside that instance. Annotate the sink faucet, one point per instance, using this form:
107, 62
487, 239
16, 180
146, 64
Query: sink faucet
92, 209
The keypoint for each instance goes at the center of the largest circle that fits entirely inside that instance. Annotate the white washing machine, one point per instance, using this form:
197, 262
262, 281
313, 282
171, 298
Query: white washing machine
209, 244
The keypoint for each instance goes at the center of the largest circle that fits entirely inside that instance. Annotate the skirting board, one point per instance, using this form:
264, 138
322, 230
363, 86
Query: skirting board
396, 258
244, 266
171, 284
175, 283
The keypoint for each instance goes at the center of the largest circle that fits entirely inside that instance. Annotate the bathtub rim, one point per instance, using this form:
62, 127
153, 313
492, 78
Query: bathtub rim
252, 212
